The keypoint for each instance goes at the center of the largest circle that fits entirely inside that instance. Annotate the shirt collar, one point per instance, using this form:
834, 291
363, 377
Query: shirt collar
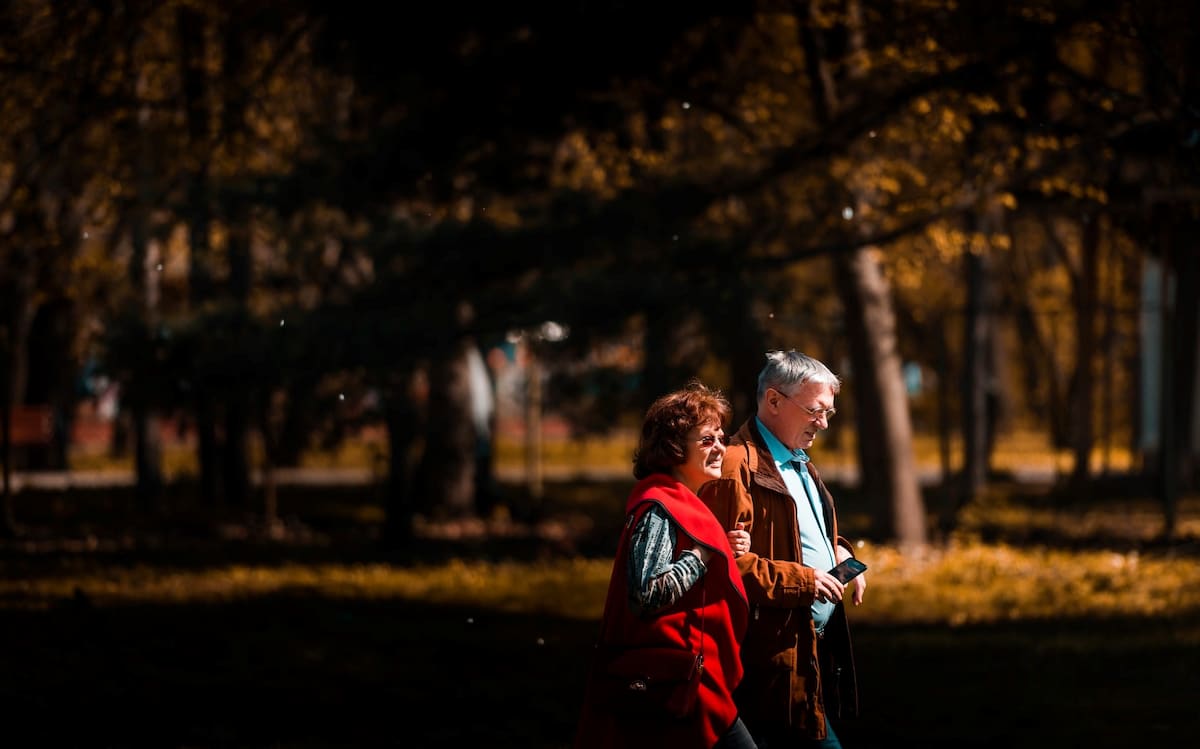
779, 452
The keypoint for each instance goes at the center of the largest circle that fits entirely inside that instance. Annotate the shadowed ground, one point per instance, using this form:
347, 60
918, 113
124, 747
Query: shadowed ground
314, 664
301, 672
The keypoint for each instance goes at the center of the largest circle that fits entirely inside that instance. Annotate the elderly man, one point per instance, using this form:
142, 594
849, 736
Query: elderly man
799, 667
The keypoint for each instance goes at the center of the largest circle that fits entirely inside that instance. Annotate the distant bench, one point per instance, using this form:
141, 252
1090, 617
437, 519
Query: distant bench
31, 426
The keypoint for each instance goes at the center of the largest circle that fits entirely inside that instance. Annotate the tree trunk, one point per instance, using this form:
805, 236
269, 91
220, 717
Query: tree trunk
1168, 486
269, 415
237, 215
871, 320
405, 419
146, 279
880, 374
234, 459
1083, 381
976, 334
945, 428
1180, 379
868, 401
238, 397
8, 526
52, 379
147, 437
1188, 320
191, 28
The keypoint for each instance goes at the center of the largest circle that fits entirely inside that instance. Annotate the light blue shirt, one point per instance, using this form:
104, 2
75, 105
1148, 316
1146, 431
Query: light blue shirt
816, 550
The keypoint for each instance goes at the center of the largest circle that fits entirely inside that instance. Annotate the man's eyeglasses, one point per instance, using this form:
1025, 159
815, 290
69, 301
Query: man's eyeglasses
816, 413
708, 440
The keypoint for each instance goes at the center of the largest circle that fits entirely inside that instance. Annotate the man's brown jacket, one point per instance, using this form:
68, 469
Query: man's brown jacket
785, 692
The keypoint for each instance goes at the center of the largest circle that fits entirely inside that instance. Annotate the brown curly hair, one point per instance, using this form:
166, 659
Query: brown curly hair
663, 443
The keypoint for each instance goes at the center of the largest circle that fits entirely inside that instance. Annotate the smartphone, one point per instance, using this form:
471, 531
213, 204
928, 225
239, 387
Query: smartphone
848, 570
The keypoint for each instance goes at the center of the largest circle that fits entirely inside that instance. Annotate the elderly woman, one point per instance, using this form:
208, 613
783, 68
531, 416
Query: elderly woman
674, 592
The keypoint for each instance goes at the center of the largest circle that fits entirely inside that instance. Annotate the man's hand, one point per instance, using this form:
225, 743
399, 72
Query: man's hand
827, 587
739, 540
860, 582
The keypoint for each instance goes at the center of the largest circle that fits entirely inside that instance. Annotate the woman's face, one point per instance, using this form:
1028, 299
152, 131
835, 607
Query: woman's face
705, 453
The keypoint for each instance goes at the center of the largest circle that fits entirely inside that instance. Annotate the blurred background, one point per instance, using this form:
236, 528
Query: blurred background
328, 282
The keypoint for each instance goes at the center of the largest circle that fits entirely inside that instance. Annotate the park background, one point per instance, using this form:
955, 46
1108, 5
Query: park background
324, 336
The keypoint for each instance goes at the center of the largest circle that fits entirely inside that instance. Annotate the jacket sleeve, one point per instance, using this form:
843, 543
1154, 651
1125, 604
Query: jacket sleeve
768, 582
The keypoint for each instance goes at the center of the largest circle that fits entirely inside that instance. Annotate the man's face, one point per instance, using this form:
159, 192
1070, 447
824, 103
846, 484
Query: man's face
796, 417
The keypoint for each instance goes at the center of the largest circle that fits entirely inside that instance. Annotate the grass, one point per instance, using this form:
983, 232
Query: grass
1014, 447
970, 584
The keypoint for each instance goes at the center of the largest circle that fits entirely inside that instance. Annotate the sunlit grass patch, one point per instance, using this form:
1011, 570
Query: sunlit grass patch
1133, 520
975, 583
565, 587
962, 584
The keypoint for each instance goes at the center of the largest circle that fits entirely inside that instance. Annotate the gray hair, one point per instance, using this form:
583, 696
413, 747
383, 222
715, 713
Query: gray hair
786, 369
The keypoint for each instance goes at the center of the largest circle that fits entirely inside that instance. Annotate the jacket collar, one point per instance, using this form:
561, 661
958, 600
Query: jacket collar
759, 461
